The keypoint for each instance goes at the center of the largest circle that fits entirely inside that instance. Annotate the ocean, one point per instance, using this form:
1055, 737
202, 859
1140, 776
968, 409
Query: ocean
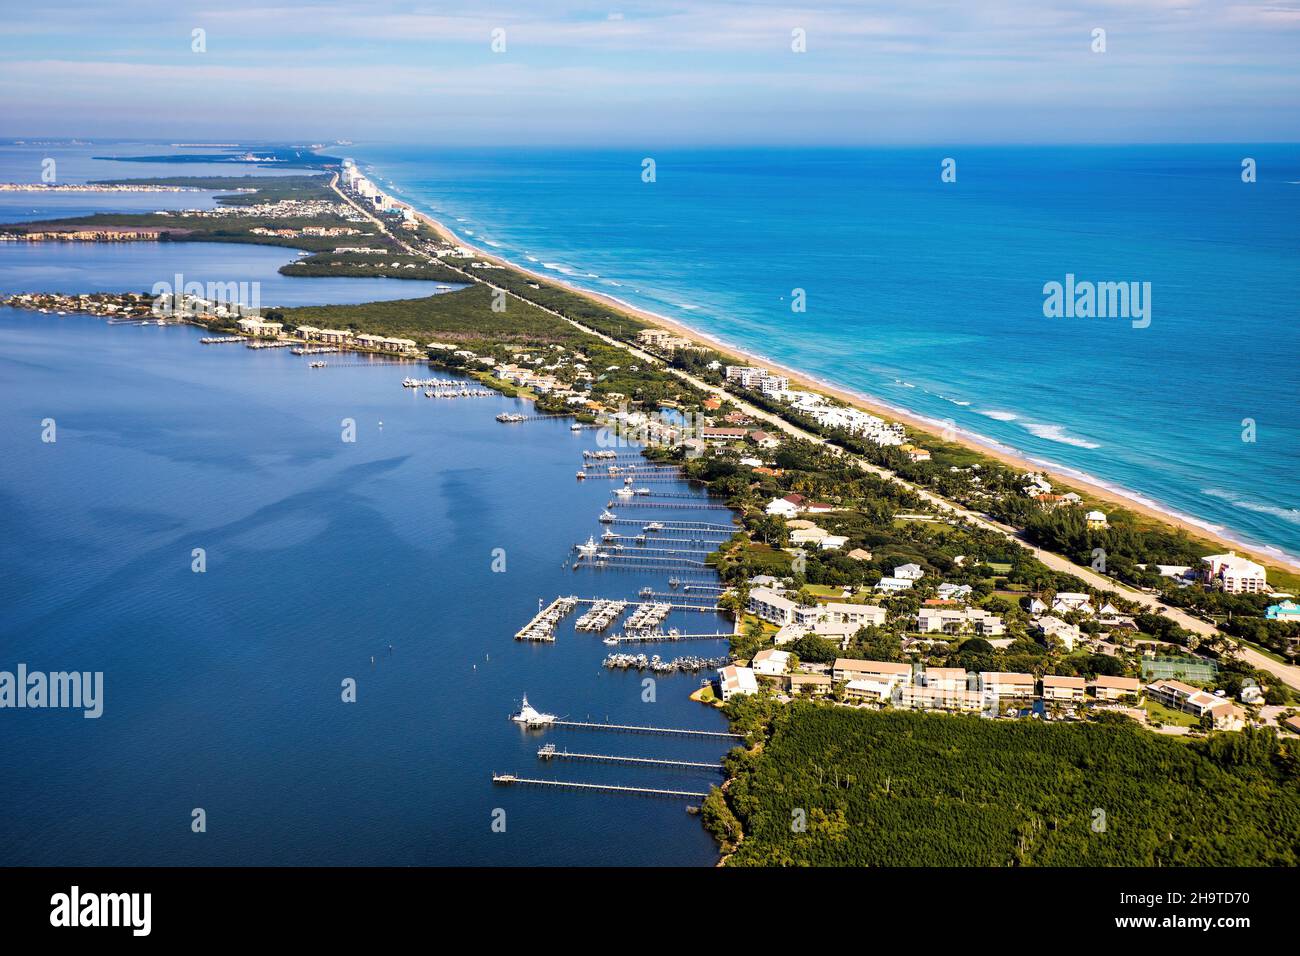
929, 295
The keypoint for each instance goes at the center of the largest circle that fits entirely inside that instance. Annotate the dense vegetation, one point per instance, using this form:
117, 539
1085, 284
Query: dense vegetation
906, 789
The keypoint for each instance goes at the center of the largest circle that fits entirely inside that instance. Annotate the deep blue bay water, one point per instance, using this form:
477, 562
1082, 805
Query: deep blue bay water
223, 688
74, 267
929, 296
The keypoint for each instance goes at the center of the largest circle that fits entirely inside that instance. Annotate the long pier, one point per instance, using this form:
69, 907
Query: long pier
637, 729
676, 505
510, 778
686, 527
550, 753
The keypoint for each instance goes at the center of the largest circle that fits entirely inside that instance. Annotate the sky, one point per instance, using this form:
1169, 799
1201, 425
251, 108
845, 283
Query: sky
710, 72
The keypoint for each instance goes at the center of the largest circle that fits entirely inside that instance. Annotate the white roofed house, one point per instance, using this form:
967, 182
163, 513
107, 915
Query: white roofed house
909, 572
734, 679
770, 662
1037, 607
785, 507
1067, 601
1234, 574
892, 585
1096, 519
1063, 631
954, 592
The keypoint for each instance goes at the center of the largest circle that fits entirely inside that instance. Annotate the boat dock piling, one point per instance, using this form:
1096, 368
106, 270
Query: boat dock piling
550, 753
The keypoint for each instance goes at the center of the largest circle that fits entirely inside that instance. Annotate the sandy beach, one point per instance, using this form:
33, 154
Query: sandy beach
1062, 477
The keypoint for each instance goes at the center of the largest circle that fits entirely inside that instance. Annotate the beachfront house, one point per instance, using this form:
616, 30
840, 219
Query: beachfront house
909, 572
1233, 574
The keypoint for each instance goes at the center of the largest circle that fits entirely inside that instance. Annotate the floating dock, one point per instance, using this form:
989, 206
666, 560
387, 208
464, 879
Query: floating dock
510, 778
542, 626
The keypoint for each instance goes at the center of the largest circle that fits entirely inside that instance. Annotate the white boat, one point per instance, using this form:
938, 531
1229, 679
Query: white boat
589, 548
575, 427
607, 516
530, 717
316, 365
642, 491
623, 492
654, 526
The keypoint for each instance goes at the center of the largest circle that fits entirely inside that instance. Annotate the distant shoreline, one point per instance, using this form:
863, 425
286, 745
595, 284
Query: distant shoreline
1087, 484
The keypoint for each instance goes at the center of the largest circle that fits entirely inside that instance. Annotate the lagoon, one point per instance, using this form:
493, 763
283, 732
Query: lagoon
222, 688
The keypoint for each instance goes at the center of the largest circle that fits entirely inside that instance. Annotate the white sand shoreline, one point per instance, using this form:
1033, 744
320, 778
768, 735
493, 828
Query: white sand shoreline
1088, 484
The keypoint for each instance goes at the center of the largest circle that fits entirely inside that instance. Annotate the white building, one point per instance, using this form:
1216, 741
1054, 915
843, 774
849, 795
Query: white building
770, 662
890, 585
772, 606
959, 620
1066, 633
733, 680
909, 572
1234, 574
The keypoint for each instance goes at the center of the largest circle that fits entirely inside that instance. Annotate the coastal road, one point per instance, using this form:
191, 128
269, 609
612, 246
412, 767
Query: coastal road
1287, 673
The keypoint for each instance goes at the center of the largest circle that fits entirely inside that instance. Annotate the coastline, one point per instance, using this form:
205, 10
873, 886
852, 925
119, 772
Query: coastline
1086, 484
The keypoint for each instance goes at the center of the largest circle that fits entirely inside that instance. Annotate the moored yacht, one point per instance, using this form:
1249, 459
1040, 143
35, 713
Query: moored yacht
530, 717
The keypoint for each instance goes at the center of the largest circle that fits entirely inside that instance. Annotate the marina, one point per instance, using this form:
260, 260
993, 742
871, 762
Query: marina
658, 638
602, 614
685, 665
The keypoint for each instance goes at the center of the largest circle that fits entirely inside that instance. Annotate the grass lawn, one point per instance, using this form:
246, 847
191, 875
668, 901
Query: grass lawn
1157, 711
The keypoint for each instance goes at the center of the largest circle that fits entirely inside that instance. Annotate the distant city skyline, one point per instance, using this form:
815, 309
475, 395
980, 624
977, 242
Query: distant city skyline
646, 74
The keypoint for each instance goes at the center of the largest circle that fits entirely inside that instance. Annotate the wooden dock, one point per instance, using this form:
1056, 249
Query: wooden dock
637, 729
510, 778
550, 753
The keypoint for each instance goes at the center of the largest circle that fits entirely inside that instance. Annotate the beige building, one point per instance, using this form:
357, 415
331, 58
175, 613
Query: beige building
1104, 687
1064, 688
